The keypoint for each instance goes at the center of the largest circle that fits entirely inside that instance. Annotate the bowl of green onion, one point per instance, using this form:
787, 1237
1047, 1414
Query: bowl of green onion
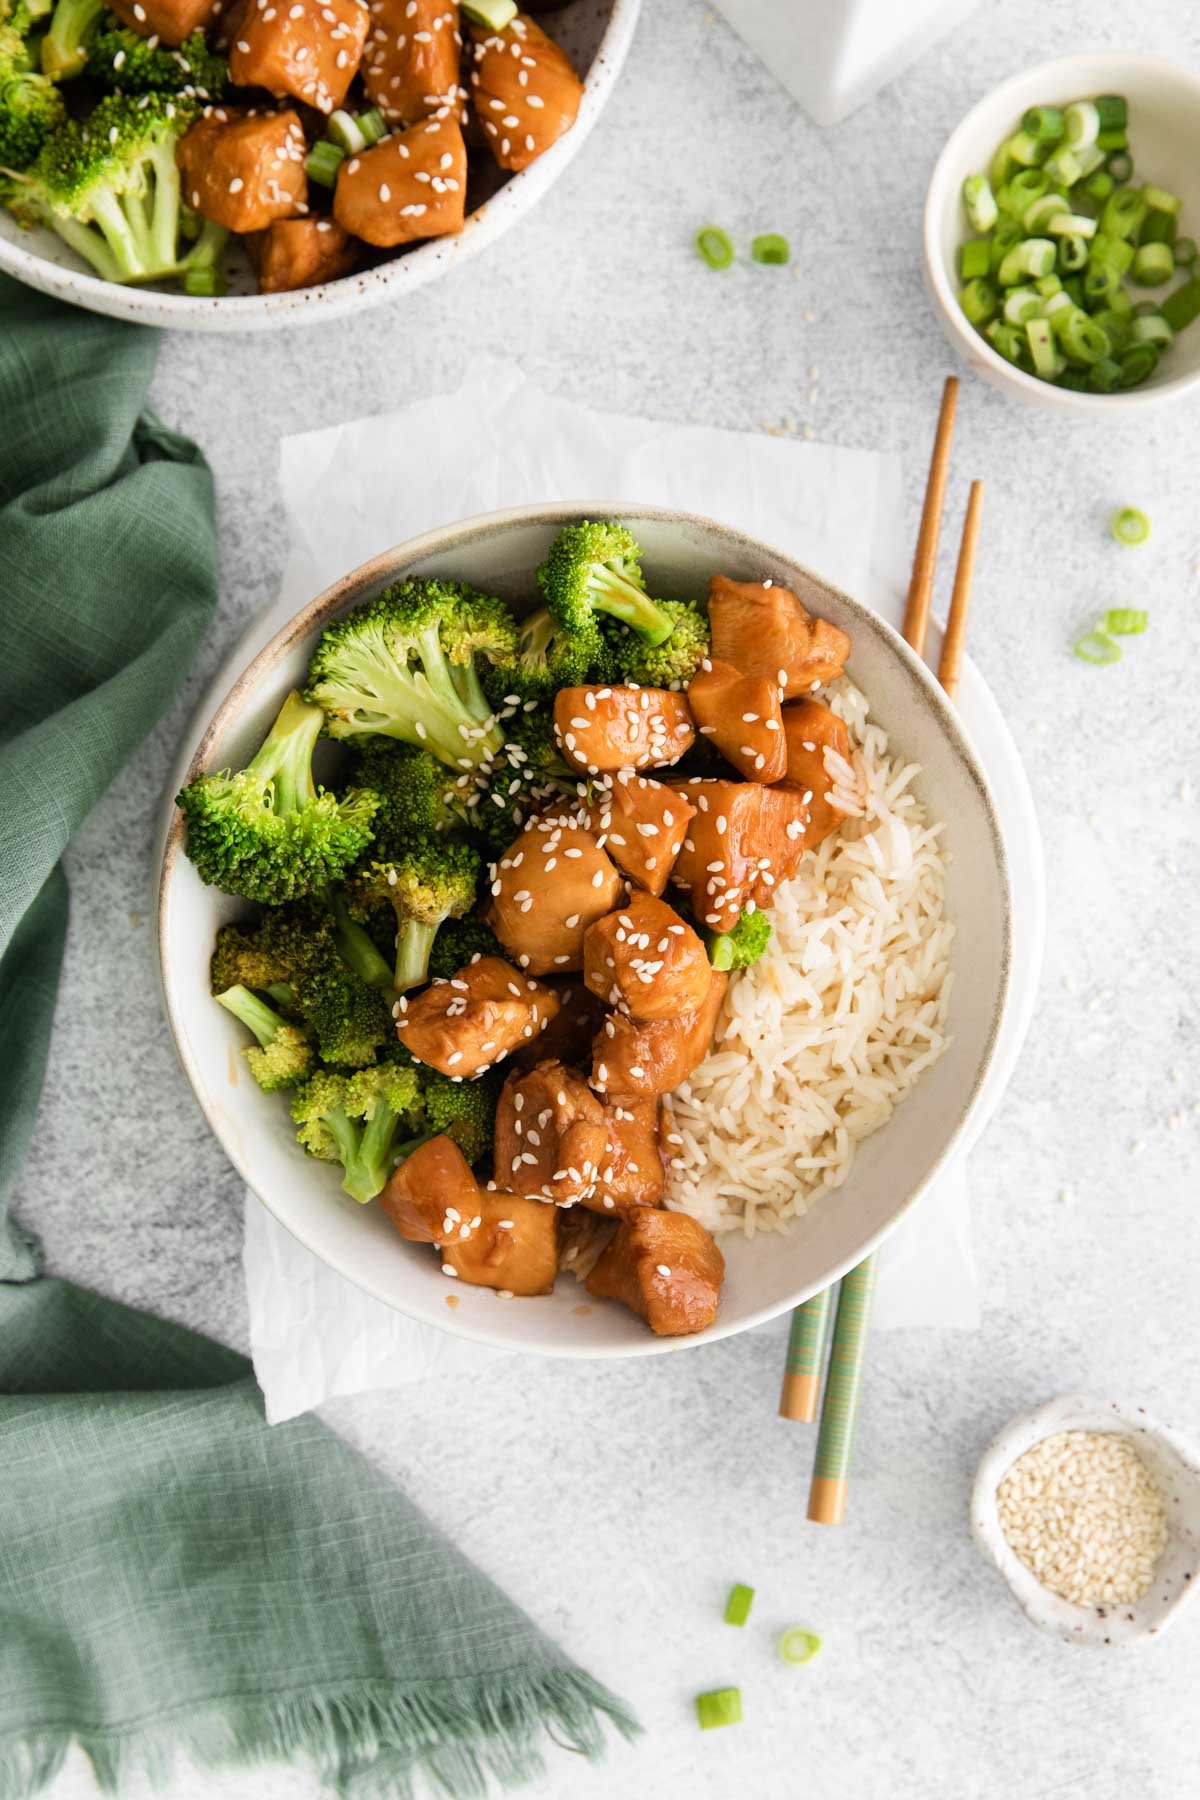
1061, 229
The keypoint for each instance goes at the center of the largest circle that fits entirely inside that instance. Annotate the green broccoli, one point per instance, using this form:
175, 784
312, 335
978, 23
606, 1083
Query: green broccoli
65, 47
283, 1055
31, 107
417, 795
426, 882
109, 186
738, 948
355, 1120
462, 1110
118, 58
268, 832
459, 942
595, 568
549, 656
671, 664
403, 666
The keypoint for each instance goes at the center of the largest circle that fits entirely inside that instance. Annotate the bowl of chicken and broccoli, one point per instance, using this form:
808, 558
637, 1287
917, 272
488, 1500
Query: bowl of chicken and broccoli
559, 945
230, 164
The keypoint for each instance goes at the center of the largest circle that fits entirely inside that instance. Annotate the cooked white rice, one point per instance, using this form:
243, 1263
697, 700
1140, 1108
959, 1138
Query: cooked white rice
819, 1041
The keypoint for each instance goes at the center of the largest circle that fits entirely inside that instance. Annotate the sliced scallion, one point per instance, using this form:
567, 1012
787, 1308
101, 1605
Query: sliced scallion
1064, 167
1159, 200
979, 203
1044, 208
1046, 361
1112, 140
1185, 252
1104, 377
343, 130
979, 301
1097, 647
1119, 164
798, 1646
1123, 621
1124, 211
323, 162
1025, 149
1083, 340
974, 259
1152, 265
1021, 303
770, 247
1100, 185
737, 1607
1113, 110
1182, 305
723, 1706
1138, 363
1072, 252
205, 284
1152, 328
493, 15
1082, 120
715, 246
1130, 525
1032, 256
1045, 123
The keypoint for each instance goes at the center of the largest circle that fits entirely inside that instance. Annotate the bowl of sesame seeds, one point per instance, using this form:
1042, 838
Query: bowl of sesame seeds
1091, 1512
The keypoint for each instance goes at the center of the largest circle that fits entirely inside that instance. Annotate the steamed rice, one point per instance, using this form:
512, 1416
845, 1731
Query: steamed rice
822, 1038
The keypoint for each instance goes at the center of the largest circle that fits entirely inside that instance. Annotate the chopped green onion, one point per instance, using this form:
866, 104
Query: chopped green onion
1009, 341
205, 284
1121, 303
323, 162
770, 248
1124, 211
1152, 265
343, 130
1046, 206
1069, 224
1159, 228
979, 301
721, 1707
1138, 363
1100, 285
1185, 252
974, 258
1045, 123
1026, 186
1032, 256
715, 246
1113, 110
1152, 328
1082, 121
1097, 647
979, 203
1058, 307
1049, 284
1073, 289
1112, 140
1064, 168
798, 1646
1046, 360
1124, 621
1072, 252
1119, 164
737, 1607
1130, 526
1083, 340
1025, 149
1115, 328
1000, 167
1182, 306
1089, 159
1021, 303
1159, 200
1006, 234
493, 15
1100, 185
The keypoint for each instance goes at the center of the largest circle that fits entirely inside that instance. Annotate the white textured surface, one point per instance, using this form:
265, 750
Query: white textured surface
617, 1503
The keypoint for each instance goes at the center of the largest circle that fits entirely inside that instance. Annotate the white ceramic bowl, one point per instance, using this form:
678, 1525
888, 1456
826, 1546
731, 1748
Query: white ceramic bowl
596, 34
1174, 1465
765, 1276
1164, 134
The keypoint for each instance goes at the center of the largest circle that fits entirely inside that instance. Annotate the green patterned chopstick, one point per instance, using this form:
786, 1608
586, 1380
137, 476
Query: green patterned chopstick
843, 1385
805, 1355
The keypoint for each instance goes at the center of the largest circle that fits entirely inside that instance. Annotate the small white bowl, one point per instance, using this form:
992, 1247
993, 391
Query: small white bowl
595, 33
1174, 1466
1164, 135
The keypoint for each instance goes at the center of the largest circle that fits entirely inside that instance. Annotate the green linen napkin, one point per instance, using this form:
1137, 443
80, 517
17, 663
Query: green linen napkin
174, 1574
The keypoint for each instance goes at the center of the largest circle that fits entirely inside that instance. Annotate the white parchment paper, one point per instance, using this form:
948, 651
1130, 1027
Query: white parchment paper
352, 490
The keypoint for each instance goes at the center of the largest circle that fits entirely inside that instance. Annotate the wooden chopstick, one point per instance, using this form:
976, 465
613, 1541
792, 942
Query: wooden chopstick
920, 586
950, 667
805, 1355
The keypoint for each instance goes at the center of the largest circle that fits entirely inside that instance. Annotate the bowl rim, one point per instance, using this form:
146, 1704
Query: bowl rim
356, 292
368, 578
973, 343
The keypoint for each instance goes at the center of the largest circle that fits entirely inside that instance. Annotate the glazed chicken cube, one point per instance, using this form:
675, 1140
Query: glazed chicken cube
763, 630
244, 170
643, 1060
300, 253
410, 186
464, 1025
309, 49
644, 960
551, 1134
483, 1237
744, 839
553, 882
642, 825
603, 729
411, 58
169, 20
809, 728
740, 714
665, 1267
524, 90
632, 1174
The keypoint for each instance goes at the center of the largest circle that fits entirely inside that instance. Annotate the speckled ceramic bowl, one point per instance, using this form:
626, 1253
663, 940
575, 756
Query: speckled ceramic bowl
1174, 1466
596, 34
767, 1275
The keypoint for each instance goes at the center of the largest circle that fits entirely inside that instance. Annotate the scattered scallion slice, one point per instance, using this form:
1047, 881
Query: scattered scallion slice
770, 247
1113, 110
1097, 647
737, 1607
355, 132
205, 284
715, 246
1045, 123
974, 259
1152, 265
1082, 120
979, 203
1130, 525
798, 1646
723, 1706
323, 162
1123, 621
493, 15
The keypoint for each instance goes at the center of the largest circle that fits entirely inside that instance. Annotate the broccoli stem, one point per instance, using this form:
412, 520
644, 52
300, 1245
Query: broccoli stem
163, 244
121, 234
254, 1013
356, 948
616, 594
414, 943
89, 244
369, 1167
208, 248
285, 759
64, 48
458, 686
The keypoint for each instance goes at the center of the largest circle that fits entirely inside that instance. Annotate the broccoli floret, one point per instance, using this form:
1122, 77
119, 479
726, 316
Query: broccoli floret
668, 665
283, 1056
268, 832
65, 48
31, 107
549, 656
738, 948
118, 58
462, 1110
459, 942
418, 797
355, 1119
427, 882
595, 568
403, 666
